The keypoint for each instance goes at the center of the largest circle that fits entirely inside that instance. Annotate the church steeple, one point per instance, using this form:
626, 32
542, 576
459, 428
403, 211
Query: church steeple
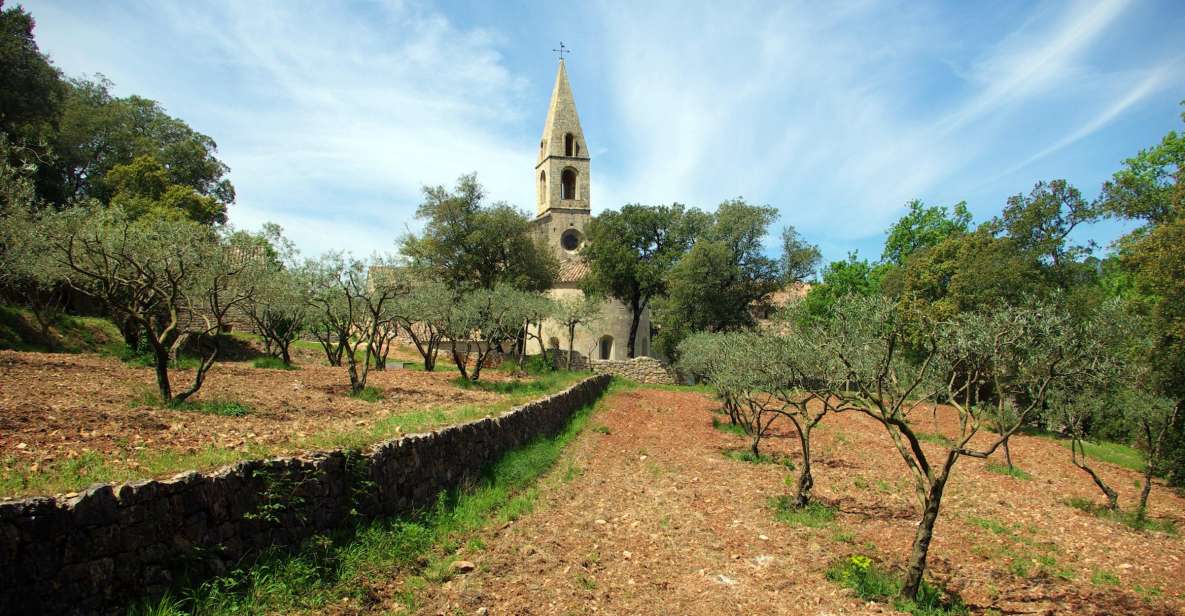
562, 170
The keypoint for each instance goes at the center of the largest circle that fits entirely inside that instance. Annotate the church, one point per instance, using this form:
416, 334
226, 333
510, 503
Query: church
563, 205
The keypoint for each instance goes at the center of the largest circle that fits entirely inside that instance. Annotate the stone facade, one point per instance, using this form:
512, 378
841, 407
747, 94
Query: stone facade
563, 215
111, 545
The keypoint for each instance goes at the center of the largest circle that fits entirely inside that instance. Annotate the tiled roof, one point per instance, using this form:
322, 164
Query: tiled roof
572, 271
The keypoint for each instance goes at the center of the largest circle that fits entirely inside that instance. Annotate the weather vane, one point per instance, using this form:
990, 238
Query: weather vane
562, 50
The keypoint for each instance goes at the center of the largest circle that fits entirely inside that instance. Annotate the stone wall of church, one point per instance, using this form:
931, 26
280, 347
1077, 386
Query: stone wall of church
613, 323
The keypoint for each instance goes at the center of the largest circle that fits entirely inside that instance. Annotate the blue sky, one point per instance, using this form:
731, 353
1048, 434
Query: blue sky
333, 115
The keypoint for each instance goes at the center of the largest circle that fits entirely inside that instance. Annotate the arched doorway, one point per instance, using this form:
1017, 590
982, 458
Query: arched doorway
606, 347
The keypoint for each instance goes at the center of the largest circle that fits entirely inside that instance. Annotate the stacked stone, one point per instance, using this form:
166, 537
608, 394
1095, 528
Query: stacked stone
110, 545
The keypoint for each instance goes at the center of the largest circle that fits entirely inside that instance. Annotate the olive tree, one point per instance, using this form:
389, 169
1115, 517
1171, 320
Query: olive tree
727, 362
1123, 384
537, 309
898, 369
174, 279
482, 322
353, 300
423, 313
575, 312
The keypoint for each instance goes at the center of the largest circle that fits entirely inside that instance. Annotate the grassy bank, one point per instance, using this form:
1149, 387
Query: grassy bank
345, 567
18, 479
19, 331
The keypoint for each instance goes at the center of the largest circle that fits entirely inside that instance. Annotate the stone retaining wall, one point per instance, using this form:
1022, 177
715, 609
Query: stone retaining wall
113, 544
640, 369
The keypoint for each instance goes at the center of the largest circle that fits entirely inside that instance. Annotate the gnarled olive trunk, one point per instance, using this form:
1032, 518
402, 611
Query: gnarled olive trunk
805, 480
916, 571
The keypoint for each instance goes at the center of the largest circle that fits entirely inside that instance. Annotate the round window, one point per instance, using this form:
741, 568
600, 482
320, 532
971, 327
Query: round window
570, 240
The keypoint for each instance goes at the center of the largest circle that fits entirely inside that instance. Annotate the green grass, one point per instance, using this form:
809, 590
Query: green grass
1102, 577
814, 515
268, 362
338, 567
224, 408
994, 526
602, 430
935, 438
67, 476
1011, 471
368, 394
541, 383
1017, 544
872, 582
1126, 518
70, 334
746, 455
729, 427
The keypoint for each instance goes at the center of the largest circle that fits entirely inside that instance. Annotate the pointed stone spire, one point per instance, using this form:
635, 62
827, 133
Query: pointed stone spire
562, 170
562, 120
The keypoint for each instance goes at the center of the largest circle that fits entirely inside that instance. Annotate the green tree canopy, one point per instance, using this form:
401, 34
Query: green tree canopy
852, 276
99, 132
631, 252
1150, 182
800, 259
469, 244
923, 227
715, 285
31, 88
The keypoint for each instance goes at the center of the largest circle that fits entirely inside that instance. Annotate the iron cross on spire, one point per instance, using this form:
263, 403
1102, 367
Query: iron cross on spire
562, 50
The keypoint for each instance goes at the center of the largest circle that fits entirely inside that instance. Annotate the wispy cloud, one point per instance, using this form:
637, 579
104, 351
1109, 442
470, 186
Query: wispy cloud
332, 117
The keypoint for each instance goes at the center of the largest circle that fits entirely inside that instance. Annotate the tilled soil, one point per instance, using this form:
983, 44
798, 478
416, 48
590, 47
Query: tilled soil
659, 521
55, 407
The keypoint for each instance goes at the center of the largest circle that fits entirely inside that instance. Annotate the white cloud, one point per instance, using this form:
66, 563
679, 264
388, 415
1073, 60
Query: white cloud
828, 115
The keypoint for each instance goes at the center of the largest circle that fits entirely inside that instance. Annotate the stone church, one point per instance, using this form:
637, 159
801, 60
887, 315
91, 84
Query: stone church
563, 205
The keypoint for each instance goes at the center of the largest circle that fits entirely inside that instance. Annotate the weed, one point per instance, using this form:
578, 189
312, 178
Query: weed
747, 455
990, 524
147, 397
1102, 577
1011, 471
860, 482
587, 582
937, 439
151, 398
1128, 518
843, 536
813, 515
268, 362
874, 583
368, 394
729, 427
602, 430
1148, 592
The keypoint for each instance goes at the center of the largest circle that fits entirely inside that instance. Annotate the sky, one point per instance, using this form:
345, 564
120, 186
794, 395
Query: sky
333, 116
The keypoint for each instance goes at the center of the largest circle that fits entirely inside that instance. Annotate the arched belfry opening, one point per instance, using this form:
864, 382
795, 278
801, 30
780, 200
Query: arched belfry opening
570, 147
568, 184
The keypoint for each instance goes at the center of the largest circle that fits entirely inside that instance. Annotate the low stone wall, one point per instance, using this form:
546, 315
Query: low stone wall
640, 369
113, 544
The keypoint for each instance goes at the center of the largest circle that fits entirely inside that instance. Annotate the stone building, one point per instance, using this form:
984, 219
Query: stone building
563, 206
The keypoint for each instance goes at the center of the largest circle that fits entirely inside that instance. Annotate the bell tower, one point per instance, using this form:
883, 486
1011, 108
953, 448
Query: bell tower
562, 170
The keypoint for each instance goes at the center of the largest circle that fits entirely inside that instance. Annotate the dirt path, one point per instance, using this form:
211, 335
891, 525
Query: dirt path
652, 518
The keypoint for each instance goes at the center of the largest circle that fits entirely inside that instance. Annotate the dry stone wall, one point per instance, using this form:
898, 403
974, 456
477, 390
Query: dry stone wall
640, 369
110, 545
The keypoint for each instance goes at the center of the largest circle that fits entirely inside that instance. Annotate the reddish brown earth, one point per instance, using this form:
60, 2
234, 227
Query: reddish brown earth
659, 521
56, 407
